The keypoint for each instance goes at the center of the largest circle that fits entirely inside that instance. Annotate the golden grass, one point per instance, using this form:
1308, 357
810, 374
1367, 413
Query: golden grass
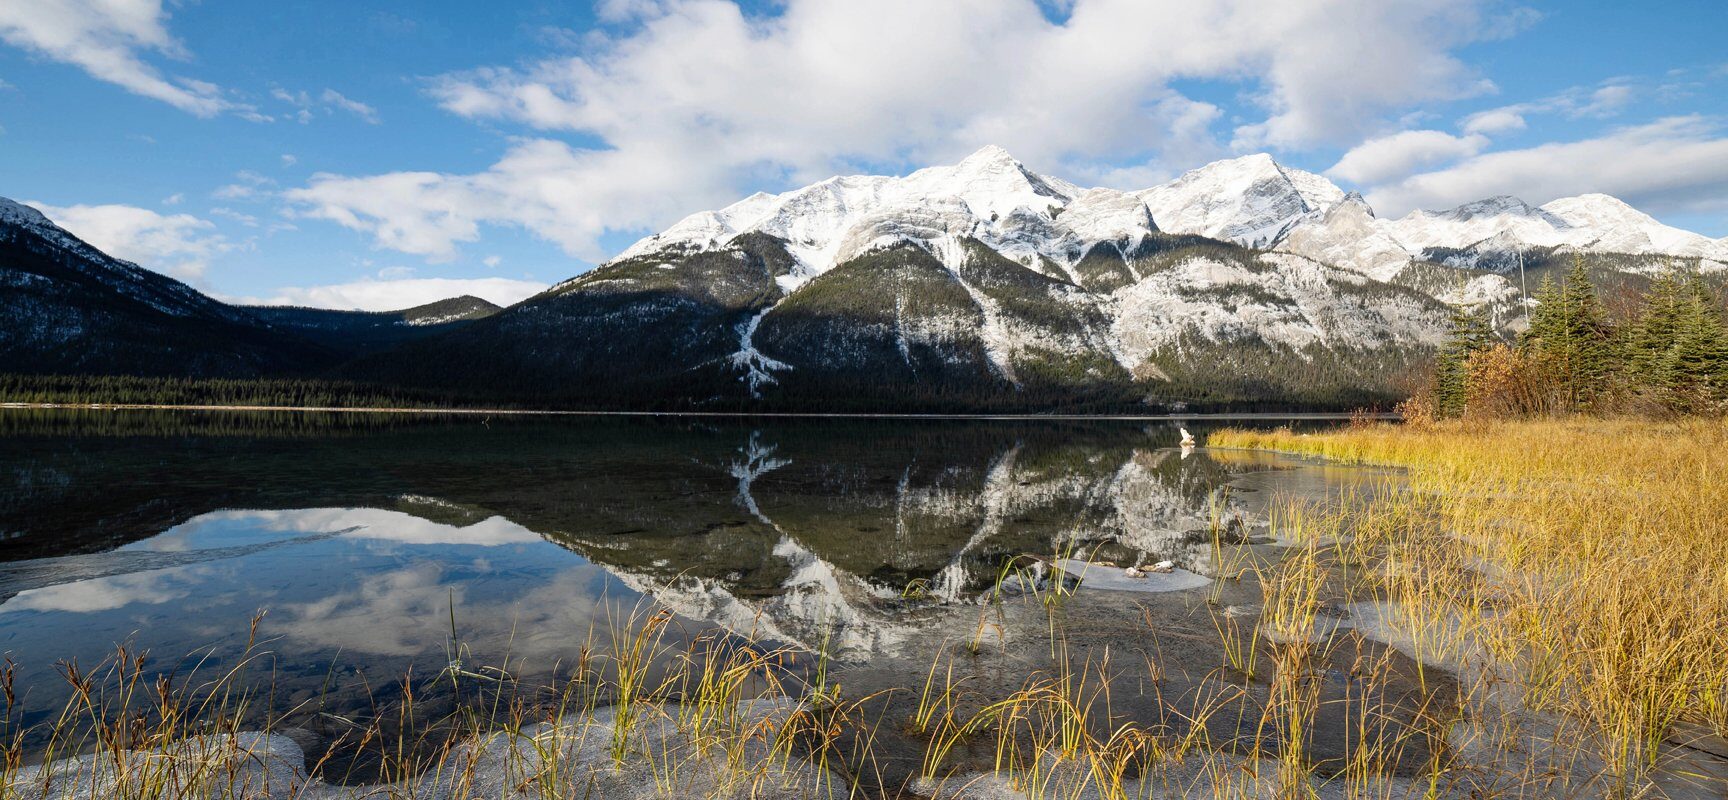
1584, 561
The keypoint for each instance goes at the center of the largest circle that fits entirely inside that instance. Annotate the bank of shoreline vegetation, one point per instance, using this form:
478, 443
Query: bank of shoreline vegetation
315, 393
1659, 352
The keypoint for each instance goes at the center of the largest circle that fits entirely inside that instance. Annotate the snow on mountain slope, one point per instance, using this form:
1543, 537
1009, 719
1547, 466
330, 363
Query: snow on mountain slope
1048, 225
1472, 223
1249, 200
1490, 233
1614, 226
988, 195
1275, 298
1348, 235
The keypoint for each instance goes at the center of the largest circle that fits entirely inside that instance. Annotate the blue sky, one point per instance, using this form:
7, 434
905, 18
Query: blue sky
380, 154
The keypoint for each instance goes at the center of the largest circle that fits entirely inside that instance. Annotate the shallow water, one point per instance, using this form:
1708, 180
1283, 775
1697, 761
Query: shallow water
377, 544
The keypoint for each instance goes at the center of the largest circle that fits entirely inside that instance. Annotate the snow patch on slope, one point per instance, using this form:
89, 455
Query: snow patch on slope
998, 343
758, 368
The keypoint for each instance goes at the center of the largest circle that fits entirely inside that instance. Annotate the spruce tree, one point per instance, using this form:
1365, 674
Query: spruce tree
1569, 338
1648, 345
1469, 332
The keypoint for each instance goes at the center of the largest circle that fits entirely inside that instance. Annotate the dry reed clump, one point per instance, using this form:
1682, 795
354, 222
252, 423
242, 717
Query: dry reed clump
1582, 561
719, 718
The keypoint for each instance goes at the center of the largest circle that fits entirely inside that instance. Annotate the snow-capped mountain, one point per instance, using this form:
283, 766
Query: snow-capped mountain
980, 285
1615, 227
1349, 235
1250, 200
1483, 232
988, 196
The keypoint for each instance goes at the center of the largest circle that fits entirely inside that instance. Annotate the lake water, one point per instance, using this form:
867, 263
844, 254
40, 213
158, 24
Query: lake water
377, 545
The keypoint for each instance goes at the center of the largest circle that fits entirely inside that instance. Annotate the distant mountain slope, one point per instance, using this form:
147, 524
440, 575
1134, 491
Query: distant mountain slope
69, 308
657, 329
353, 333
1491, 233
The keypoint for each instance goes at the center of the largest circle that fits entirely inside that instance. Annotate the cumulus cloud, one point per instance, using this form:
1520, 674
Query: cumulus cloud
178, 244
108, 39
688, 102
1675, 164
395, 293
1395, 156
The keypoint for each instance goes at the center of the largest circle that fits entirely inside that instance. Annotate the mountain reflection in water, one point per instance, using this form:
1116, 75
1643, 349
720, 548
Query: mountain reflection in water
366, 545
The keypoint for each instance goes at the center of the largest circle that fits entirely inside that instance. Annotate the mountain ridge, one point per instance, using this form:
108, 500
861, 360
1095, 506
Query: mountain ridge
984, 285
69, 308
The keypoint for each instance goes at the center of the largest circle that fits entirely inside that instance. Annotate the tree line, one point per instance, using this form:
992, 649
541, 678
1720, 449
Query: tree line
1663, 350
152, 390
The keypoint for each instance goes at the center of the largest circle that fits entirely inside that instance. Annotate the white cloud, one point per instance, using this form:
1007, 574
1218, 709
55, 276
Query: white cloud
393, 293
355, 107
1495, 120
178, 244
1676, 164
492, 261
327, 101
108, 39
1605, 100
288, 160
1390, 157
248, 185
695, 100
228, 213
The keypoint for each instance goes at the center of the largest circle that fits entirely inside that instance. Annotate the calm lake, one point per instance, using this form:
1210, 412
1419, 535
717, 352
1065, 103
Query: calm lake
380, 547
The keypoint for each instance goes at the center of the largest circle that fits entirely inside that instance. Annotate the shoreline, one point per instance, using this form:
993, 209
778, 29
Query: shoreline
1293, 415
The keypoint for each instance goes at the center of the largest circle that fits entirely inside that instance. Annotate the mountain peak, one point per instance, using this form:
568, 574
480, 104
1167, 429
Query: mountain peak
1355, 203
992, 182
1249, 199
990, 156
1249, 161
1498, 205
